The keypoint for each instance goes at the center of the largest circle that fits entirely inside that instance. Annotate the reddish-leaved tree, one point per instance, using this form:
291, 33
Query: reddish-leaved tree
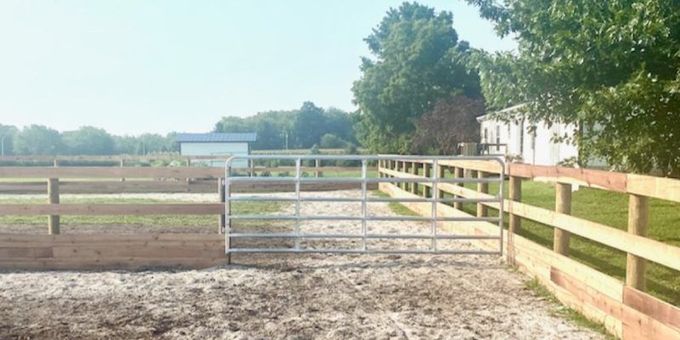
451, 121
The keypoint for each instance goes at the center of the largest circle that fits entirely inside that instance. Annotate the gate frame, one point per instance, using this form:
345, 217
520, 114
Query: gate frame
434, 179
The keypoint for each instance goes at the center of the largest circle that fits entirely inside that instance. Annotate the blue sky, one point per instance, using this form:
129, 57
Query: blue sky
134, 66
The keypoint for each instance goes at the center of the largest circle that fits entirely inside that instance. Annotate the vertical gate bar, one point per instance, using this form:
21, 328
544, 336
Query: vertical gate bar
501, 201
297, 203
435, 193
364, 209
227, 210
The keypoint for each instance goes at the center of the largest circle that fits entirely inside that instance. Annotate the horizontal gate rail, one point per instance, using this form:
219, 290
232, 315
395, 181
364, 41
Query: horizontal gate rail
363, 235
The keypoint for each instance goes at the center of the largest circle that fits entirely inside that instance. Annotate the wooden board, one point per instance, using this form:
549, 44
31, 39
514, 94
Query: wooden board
112, 209
662, 311
112, 172
110, 251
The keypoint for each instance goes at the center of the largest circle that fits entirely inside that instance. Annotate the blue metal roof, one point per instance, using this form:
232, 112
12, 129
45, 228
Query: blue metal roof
215, 137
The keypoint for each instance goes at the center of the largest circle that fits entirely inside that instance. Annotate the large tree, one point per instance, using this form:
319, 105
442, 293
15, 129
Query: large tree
610, 67
417, 61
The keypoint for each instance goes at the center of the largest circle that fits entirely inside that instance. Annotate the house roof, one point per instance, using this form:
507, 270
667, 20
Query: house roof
506, 110
215, 137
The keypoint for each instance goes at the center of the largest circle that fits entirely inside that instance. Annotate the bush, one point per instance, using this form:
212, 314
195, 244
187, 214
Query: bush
331, 141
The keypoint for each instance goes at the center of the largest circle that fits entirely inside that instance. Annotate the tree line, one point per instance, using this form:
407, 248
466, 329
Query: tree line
303, 128
87, 140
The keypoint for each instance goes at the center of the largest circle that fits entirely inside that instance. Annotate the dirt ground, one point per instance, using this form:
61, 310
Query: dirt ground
291, 296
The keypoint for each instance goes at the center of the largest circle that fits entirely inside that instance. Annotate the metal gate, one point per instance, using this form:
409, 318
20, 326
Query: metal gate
247, 176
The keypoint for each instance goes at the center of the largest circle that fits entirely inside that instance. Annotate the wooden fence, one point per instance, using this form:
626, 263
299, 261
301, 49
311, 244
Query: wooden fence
100, 251
624, 308
125, 180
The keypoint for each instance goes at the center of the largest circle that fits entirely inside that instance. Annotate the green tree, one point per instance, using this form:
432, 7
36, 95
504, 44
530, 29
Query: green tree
309, 125
88, 140
7, 133
38, 140
417, 60
610, 67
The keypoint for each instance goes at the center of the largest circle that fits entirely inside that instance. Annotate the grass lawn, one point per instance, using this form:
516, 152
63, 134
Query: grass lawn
244, 208
611, 209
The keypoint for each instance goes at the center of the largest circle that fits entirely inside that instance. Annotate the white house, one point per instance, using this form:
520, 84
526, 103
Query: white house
220, 145
514, 139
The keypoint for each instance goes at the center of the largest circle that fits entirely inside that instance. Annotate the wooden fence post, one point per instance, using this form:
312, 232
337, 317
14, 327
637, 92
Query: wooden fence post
414, 171
459, 173
53, 227
251, 167
122, 165
638, 218
563, 206
317, 165
482, 210
515, 194
427, 172
441, 173
222, 198
406, 169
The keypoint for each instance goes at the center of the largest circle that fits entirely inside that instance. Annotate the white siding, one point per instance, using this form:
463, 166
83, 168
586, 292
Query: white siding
216, 149
539, 150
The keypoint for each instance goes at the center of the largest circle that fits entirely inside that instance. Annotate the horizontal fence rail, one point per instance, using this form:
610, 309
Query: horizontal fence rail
624, 308
363, 181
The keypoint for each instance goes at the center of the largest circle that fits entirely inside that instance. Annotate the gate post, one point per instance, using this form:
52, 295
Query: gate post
563, 206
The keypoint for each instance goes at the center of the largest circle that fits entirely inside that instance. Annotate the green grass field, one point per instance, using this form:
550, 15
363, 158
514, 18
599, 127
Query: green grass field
611, 209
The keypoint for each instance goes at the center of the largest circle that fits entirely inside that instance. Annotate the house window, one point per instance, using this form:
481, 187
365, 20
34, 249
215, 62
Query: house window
486, 135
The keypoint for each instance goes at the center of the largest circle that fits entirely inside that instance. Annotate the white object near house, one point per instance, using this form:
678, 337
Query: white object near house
535, 148
219, 145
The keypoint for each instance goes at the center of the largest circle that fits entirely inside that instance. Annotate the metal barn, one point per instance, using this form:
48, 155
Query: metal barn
220, 145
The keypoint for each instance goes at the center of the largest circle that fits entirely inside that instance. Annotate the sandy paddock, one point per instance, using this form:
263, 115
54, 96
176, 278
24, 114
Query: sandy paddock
290, 296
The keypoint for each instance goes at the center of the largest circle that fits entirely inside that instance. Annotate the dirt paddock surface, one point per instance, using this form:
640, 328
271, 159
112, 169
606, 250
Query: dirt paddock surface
289, 297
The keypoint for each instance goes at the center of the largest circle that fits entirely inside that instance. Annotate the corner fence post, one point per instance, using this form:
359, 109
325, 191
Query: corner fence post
638, 218
563, 206
53, 225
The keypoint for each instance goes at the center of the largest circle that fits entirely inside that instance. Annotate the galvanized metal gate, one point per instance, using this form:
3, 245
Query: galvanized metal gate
232, 177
